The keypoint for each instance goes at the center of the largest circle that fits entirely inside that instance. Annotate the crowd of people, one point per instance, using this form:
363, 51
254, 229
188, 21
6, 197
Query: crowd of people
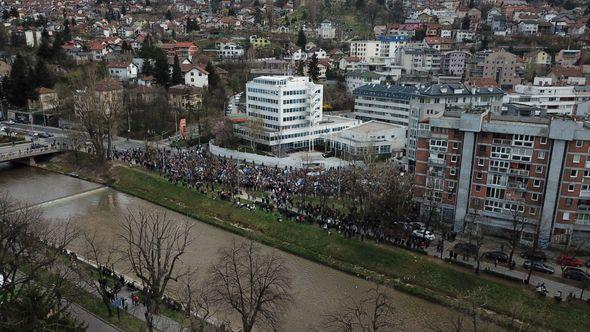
289, 191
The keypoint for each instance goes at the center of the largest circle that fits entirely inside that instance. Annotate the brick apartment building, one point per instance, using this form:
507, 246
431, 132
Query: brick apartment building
486, 167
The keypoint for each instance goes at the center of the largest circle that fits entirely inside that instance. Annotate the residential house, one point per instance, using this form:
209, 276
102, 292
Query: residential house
122, 70
453, 63
568, 58
185, 97
326, 30
194, 75
257, 42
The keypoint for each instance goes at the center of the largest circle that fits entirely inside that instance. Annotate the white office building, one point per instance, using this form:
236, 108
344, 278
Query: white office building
285, 113
543, 94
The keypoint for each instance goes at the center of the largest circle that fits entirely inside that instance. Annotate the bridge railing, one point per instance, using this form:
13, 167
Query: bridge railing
28, 152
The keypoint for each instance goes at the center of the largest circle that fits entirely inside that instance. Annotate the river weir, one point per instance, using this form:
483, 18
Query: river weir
317, 289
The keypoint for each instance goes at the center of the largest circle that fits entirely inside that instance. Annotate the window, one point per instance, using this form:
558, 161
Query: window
453, 172
480, 162
571, 187
453, 159
543, 140
586, 173
566, 216
579, 143
573, 173
541, 155
534, 197
576, 158
569, 201
532, 211
478, 188
455, 145
539, 169
537, 183
478, 175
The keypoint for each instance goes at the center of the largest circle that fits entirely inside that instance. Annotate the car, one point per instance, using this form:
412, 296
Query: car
574, 273
328, 154
501, 256
11, 122
3, 129
424, 234
42, 134
565, 260
538, 266
536, 255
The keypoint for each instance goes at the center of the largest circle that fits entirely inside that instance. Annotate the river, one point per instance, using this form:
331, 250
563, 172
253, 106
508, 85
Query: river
317, 289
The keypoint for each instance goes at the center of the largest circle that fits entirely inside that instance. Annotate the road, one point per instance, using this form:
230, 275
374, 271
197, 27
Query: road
61, 135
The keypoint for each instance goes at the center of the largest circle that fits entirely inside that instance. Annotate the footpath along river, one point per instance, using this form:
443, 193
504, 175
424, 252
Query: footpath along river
317, 289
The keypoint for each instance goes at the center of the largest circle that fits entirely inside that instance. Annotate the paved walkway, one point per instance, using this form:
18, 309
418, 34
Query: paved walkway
95, 323
536, 278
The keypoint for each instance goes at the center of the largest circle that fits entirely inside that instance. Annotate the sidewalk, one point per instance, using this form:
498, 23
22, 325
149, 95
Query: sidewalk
536, 278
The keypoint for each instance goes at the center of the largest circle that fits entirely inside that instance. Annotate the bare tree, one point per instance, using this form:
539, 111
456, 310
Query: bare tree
254, 285
97, 105
473, 302
372, 313
196, 300
518, 224
154, 244
103, 254
31, 268
255, 129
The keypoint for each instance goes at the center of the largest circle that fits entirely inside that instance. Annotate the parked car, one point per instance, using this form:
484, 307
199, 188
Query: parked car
565, 260
536, 255
501, 256
42, 134
423, 234
538, 266
574, 273
11, 122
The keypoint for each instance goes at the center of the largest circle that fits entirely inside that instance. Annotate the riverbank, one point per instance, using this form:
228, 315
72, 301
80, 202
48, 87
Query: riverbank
404, 270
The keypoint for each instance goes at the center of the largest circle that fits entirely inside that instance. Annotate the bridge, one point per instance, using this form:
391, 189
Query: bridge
26, 152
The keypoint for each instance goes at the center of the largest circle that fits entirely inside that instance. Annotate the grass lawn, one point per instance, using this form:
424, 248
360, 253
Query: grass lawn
407, 271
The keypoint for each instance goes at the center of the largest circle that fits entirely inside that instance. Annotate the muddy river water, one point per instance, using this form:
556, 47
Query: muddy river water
317, 289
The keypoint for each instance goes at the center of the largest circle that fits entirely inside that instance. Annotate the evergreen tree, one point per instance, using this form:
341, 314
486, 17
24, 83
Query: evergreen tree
38, 310
257, 12
176, 72
148, 68
5, 14
300, 70
67, 35
466, 23
301, 39
359, 4
44, 50
20, 85
161, 69
3, 37
313, 70
43, 77
169, 15
213, 81
14, 12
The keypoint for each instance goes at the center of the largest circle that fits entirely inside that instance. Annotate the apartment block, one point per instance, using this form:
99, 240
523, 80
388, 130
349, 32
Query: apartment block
413, 105
490, 167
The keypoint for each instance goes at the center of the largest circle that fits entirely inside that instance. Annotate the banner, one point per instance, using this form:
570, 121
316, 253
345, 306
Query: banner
182, 128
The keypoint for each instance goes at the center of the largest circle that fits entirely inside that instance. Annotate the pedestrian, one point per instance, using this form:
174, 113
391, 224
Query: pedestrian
502, 247
496, 262
451, 254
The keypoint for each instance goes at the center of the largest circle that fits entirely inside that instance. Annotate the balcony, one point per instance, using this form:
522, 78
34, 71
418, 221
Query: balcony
584, 193
436, 161
520, 172
516, 185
